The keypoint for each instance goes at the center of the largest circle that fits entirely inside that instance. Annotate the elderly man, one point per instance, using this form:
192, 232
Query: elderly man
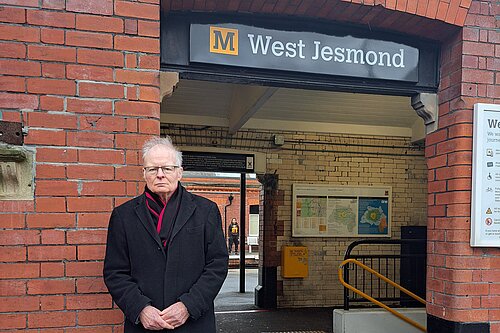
166, 257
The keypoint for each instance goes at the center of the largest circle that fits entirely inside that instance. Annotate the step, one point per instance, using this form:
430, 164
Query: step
377, 320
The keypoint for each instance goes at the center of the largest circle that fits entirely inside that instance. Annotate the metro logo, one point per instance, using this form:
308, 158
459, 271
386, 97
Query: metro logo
224, 41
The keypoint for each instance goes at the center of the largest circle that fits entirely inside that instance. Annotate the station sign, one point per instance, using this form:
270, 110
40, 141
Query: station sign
217, 162
299, 51
485, 214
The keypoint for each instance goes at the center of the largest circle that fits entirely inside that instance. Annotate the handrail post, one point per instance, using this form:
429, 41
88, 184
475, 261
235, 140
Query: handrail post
346, 291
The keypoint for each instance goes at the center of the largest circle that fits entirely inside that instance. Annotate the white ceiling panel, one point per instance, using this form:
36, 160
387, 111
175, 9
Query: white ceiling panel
194, 102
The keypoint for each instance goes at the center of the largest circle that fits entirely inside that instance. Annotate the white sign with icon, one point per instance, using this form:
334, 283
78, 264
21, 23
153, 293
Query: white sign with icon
485, 224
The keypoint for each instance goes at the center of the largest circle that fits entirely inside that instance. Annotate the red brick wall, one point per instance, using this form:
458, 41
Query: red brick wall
463, 282
83, 77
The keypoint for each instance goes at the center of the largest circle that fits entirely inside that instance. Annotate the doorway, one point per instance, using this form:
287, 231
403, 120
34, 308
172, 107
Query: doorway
224, 189
305, 136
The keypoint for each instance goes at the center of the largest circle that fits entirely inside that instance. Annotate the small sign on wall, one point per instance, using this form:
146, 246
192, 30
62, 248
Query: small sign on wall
485, 214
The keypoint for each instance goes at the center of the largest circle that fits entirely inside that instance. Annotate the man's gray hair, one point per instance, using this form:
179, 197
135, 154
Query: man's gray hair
167, 143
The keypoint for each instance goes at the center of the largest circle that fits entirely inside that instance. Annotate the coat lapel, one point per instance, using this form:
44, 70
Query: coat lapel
146, 220
186, 209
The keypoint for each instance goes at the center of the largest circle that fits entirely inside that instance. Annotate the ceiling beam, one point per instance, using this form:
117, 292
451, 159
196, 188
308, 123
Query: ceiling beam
245, 102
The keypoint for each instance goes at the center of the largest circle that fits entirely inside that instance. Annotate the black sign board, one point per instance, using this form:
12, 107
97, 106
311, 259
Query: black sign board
217, 162
310, 52
298, 53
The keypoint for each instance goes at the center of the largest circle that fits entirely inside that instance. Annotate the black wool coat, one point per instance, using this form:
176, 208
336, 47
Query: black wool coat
138, 270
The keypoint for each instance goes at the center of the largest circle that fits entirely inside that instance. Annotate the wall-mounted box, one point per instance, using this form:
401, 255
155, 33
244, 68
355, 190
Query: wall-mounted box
294, 262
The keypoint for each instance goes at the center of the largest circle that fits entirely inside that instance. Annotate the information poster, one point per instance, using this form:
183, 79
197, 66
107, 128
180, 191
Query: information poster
341, 211
485, 226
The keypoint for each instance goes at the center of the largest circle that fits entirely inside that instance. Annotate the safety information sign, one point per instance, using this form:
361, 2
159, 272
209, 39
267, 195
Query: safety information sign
485, 225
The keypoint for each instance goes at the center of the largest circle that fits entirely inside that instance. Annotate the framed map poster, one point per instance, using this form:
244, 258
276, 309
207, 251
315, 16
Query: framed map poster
341, 211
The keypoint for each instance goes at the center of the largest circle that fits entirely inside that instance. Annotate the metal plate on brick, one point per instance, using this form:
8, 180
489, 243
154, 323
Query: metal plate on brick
11, 132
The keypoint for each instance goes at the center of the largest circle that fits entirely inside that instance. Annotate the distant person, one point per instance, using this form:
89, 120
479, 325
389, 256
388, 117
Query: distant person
166, 257
233, 233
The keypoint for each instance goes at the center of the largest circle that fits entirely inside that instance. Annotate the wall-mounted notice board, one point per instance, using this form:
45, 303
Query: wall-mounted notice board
341, 211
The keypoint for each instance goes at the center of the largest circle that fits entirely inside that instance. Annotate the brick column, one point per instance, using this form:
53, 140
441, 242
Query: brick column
83, 77
463, 283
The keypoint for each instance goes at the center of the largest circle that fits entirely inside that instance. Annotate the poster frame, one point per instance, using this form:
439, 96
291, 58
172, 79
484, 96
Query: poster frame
341, 191
479, 172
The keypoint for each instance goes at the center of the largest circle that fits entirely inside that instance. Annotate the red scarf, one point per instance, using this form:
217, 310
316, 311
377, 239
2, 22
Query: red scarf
164, 213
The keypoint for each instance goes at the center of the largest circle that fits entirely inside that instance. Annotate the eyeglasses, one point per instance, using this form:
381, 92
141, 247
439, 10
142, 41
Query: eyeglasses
167, 169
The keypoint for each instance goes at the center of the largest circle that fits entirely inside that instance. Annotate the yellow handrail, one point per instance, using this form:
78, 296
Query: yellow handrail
371, 299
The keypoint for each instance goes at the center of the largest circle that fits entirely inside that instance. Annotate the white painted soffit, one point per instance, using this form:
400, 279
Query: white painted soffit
236, 106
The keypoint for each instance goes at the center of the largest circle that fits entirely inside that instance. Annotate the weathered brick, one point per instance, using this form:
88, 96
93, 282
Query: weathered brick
19, 271
91, 73
51, 18
52, 269
97, 317
18, 101
103, 188
12, 50
12, 84
80, 302
91, 252
99, 23
53, 237
58, 155
139, 44
13, 254
21, 68
50, 205
51, 319
15, 287
51, 103
103, 7
89, 39
12, 15
83, 268
103, 172
79, 105
132, 108
90, 139
89, 204
51, 253
52, 53
46, 137
12, 321
56, 188
19, 237
39, 119
19, 33
100, 57
101, 90
139, 10
51, 86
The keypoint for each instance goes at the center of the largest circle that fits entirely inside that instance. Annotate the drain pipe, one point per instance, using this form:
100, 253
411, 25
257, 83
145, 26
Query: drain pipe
230, 198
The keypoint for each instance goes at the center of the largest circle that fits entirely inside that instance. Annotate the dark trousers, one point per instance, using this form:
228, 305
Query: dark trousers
235, 241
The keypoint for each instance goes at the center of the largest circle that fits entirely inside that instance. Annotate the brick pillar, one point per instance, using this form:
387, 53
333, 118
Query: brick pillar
269, 255
463, 283
83, 77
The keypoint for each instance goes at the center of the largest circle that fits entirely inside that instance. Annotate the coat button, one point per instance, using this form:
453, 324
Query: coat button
159, 248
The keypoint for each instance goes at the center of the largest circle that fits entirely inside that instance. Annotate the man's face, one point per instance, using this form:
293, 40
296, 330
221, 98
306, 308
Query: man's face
160, 182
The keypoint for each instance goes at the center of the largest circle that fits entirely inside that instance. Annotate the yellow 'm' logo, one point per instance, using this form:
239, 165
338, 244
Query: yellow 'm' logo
224, 40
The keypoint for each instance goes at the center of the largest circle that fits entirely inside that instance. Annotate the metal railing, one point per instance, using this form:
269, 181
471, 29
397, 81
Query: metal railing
406, 268
374, 301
